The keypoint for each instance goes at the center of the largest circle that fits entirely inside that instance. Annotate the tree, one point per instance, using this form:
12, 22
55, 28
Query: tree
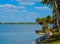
55, 6
45, 22
40, 20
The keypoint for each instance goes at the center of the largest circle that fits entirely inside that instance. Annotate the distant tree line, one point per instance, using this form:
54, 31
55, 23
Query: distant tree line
17, 23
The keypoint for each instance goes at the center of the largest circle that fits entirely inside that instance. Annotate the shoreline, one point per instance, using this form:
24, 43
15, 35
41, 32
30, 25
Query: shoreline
18, 23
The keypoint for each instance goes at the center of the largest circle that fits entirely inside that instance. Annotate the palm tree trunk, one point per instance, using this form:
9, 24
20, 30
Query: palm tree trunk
56, 15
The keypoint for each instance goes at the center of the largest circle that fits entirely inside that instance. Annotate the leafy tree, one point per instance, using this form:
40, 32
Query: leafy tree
56, 9
45, 22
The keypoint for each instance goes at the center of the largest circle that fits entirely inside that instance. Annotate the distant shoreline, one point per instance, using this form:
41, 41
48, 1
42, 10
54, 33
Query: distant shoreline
18, 23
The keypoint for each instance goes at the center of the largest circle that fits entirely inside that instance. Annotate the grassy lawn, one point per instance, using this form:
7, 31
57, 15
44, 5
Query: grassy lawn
56, 42
54, 39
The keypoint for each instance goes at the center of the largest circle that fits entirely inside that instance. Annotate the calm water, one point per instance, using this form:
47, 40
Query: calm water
18, 33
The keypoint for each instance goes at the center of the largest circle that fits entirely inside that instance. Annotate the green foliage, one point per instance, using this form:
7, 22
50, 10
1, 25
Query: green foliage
53, 39
48, 2
55, 4
40, 20
45, 22
44, 29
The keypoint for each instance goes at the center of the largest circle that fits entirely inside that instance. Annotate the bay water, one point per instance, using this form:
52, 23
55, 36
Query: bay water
18, 33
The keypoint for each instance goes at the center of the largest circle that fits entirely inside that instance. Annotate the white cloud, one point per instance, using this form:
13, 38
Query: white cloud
26, 3
21, 7
11, 11
33, 13
28, 0
24, 11
8, 5
42, 8
12, 6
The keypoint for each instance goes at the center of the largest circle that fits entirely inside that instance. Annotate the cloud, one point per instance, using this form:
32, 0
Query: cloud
24, 11
33, 13
9, 8
11, 12
42, 8
21, 7
28, 0
26, 3
8, 5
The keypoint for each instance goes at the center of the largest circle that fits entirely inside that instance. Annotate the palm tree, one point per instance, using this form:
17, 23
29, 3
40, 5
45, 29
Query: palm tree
55, 6
49, 20
45, 23
40, 20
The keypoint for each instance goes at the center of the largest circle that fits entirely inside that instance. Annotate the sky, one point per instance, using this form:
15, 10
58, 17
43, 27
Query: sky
22, 10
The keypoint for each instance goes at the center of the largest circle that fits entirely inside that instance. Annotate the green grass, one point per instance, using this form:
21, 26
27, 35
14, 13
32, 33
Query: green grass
56, 42
54, 39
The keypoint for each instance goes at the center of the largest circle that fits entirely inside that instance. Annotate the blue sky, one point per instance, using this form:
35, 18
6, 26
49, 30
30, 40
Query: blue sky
22, 10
